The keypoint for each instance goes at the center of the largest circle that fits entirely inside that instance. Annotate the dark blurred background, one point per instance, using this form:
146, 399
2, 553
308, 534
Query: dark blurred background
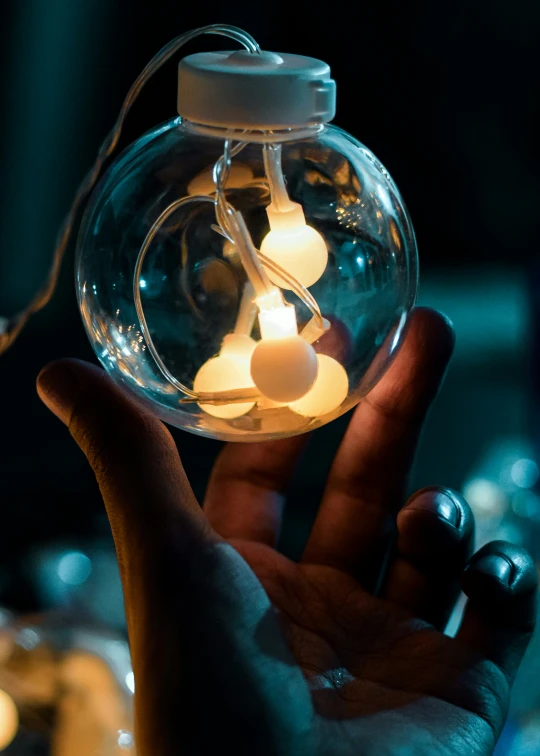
446, 94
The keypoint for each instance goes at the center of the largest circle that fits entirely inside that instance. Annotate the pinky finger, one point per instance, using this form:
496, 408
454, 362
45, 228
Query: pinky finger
501, 584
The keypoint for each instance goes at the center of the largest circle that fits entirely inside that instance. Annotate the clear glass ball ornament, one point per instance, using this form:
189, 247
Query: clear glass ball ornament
194, 290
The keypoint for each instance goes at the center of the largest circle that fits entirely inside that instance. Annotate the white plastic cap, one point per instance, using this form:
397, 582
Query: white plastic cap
256, 91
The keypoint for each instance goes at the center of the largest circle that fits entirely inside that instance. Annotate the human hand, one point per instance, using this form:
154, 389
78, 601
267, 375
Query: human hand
236, 647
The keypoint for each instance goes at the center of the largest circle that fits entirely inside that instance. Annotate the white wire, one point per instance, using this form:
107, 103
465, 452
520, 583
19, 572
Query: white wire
11, 327
240, 236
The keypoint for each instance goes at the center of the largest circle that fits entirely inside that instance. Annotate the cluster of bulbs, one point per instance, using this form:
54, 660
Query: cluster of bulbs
282, 368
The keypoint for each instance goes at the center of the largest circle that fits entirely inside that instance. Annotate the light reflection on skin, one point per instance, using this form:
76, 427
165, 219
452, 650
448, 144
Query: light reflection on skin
333, 679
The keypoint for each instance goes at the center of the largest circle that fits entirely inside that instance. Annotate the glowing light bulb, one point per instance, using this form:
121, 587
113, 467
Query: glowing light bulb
327, 393
284, 369
278, 323
9, 720
228, 371
203, 183
296, 247
283, 365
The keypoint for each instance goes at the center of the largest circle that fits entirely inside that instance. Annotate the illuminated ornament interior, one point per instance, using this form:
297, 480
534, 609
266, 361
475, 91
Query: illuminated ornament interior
230, 370
246, 270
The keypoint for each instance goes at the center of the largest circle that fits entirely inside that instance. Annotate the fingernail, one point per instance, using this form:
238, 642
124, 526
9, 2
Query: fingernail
495, 565
439, 503
448, 320
58, 387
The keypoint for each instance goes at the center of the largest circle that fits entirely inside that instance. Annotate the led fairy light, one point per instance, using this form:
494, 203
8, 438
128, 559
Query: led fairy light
225, 386
284, 365
296, 247
242, 359
328, 392
229, 370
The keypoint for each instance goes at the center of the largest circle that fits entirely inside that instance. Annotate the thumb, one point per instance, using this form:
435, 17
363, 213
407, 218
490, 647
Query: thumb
149, 502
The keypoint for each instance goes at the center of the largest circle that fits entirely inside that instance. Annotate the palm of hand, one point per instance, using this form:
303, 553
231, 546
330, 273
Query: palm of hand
377, 675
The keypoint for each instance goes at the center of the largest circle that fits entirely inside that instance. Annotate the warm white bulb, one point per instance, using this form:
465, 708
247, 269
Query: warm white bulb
203, 183
278, 323
327, 393
228, 371
283, 365
9, 720
296, 247
284, 369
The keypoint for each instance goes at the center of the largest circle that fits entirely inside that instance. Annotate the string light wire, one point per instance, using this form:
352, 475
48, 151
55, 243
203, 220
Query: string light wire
11, 327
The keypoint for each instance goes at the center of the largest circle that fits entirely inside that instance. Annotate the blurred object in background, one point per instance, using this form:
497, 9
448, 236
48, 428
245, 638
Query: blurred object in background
482, 430
84, 581
501, 492
65, 688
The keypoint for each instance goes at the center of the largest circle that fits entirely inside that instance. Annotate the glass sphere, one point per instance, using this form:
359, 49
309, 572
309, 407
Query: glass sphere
191, 283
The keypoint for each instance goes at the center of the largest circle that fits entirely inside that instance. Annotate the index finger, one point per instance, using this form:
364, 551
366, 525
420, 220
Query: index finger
245, 496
